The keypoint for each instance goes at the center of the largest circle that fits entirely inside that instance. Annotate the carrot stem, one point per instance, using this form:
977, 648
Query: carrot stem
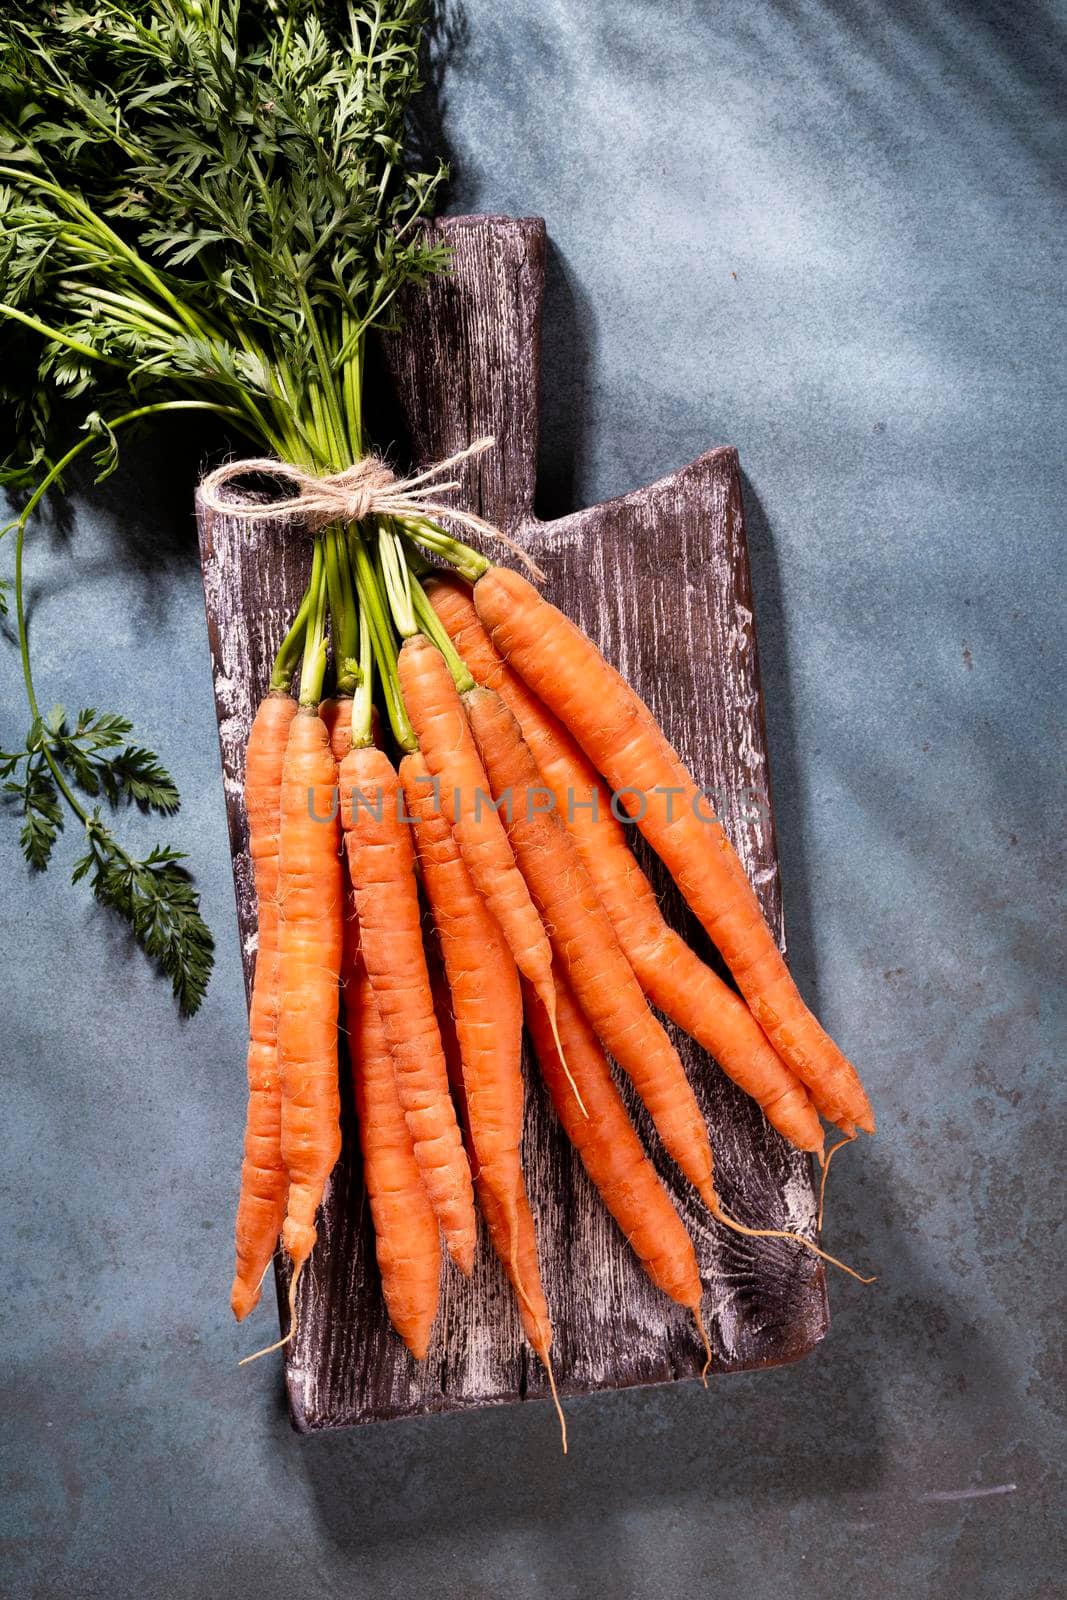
436, 632
340, 603
292, 647
347, 647
363, 699
335, 604
396, 580
459, 555
419, 563
352, 387
373, 605
313, 670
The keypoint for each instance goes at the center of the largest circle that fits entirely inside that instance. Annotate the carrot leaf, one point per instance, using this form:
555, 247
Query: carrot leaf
156, 897
131, 773
38, 799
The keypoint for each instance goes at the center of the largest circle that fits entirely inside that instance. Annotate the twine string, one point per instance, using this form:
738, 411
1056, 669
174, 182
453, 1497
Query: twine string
368, 488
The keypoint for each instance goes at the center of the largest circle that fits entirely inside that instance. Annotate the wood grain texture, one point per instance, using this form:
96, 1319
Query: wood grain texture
660, 579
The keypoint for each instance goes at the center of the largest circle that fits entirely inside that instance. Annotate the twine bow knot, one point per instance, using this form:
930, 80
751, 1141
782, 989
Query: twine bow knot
368, 488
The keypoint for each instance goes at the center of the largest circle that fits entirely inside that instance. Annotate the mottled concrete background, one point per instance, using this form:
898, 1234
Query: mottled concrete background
828, 234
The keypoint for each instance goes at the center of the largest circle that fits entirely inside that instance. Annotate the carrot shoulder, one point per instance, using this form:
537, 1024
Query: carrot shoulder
336, 713
310, 898
622, 739
673, 977
264, 1180
381, 864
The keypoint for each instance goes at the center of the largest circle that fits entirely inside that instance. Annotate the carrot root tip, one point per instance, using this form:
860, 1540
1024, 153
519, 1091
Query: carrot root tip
516, 1275
461, 1254
279, 1344
703, 1332
547, 1359
243, 1300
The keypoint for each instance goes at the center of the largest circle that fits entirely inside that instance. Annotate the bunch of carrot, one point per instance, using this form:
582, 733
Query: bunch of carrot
511, 734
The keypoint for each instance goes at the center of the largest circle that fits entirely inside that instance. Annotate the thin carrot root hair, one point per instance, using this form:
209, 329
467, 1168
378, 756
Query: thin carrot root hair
703, 1332
554, 1025
715, 1207
547, 1361
279, 1344
848, 1139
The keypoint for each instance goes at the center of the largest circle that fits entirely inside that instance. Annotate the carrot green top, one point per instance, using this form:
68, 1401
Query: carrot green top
205, 206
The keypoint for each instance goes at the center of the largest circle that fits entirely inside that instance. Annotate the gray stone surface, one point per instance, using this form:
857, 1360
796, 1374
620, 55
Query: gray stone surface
828, 234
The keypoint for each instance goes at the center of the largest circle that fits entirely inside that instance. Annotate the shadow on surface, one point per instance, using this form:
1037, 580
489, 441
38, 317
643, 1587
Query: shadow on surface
815, 1433
446, 35
810, 1440
150, 500
786, 769
146, 511
568, 346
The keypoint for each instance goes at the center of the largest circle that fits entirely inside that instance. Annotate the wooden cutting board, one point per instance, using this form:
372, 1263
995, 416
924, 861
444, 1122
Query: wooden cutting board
660, 579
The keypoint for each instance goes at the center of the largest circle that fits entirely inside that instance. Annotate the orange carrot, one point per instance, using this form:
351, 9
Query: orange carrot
264, 1180
381, 865
464, 797
310, 900
521, 1264
406, 1239
620, 736
599, 973
673, 977
508, 1217
405, 1228
336, 713
486, 1003
514, 1240
483, 983
585, 942
610, 1150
